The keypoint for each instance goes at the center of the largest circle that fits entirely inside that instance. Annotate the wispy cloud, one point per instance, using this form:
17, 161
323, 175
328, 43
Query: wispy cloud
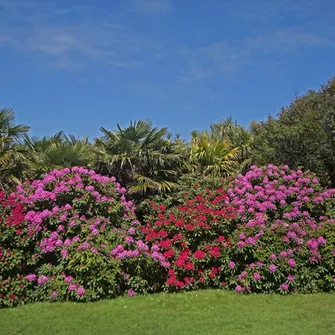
6, 40
89, 36
77, 38
286, 41
276, 11
150, 6
67, 64
223, 57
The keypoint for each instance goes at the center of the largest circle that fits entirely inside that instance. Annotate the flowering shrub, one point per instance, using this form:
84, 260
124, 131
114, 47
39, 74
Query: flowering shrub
270, 230
285, 235
193, 236
70, 236
74, 236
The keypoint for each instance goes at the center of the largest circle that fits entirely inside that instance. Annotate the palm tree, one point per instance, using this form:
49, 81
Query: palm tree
238, 136
221, 151
143, 158
12, 155
57, 152
8, 128
212, 156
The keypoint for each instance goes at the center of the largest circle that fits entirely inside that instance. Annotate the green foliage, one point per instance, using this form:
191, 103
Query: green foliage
222, 151
12, 155
213, 157
144, 159
303, 135
56, 152
238, 136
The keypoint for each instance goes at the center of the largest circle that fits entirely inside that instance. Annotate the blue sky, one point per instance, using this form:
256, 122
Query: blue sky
79, 65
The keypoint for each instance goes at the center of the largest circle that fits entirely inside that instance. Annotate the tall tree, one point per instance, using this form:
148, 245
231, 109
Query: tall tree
238, 136
302, 135
144, 159
212, 156
12, 155
223, 150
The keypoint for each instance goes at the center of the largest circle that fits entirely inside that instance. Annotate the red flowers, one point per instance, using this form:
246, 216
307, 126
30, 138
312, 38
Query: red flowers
199, 254
16, 216
165, 243
179, 223
168, 254
193, 235
178, 237
215, 251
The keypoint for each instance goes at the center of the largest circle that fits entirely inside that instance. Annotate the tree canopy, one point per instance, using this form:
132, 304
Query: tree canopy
302, 135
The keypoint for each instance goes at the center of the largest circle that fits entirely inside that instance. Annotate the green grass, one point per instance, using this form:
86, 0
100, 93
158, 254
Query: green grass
202, 312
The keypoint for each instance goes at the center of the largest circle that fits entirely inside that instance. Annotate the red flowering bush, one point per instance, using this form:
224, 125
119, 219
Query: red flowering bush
72, 235
193, 237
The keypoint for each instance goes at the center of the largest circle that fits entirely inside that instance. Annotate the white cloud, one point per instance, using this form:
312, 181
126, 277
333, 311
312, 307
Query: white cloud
88, 36
286, 41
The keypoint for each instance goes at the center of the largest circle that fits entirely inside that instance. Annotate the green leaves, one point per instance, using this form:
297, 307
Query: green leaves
141, 157
303, 135
225, 149
8, 128
12, 155
56, 152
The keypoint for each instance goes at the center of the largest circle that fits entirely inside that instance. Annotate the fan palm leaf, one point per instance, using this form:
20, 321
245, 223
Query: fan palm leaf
142, 157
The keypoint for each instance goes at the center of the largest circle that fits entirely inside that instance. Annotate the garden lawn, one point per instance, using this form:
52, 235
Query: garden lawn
201, 312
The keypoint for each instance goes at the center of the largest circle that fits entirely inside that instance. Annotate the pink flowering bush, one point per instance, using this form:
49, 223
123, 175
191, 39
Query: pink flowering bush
284, 239
70, 236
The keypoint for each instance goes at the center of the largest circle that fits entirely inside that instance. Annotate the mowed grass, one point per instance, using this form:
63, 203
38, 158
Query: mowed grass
201, 312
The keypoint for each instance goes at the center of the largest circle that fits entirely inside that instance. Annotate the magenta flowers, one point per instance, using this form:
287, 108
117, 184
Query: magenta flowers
291, 263
282, 218
71, 222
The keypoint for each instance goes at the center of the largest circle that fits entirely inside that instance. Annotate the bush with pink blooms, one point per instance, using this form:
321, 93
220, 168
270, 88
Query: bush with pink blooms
284, 239
70, 236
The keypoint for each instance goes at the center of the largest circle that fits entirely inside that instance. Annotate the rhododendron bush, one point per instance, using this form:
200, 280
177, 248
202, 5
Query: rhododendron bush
64, 237
74, 236
271, 230
285, 235
193, 236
